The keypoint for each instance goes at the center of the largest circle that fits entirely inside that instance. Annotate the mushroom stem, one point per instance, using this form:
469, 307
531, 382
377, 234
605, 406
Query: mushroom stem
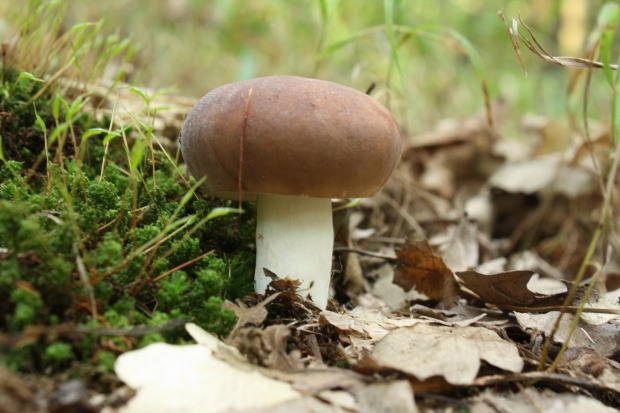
295, 238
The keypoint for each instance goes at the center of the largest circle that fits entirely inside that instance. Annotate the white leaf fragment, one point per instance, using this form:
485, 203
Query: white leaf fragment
190, 379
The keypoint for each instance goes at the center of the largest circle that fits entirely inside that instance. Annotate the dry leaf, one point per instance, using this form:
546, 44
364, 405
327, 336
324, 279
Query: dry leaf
316, 380
187, 378
365, 323
306, 404
266, 348
388, 397
363, 327
532, 400
462, 251
602, 303
418, 266
452, 353
603, 338
339, 398
370, 397
543, 174
584, 362
385, 290
507, 290
250, 316
281, 284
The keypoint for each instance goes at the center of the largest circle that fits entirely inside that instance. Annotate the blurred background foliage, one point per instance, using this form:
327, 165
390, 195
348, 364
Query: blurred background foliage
194, 46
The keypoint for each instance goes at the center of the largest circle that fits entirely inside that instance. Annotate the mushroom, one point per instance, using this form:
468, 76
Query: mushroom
291, 144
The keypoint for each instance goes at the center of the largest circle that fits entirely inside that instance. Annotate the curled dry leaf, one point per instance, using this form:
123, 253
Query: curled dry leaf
453, 354
507, 290
365, 322
418, 266
254, 316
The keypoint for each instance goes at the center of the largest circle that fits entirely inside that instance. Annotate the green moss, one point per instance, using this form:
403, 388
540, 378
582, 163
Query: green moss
57, 354
28, 307
158, 319
185, 251
173, 289
74, 235
213, 318
10, 270
10, 170
21, 358
105, 360
241, 280
142, 235
11, 218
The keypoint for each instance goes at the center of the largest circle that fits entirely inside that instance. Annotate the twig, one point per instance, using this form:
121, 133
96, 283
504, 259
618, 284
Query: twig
185, 264
88, 288
367, 253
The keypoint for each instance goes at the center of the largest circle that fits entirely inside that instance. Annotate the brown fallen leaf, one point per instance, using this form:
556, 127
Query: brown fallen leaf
507, 290
436, 355
254, 316
266, 348
604, 339
418, 266
585, 362
280, 284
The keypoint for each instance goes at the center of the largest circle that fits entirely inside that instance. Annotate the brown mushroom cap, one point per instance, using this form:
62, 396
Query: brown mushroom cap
303, 137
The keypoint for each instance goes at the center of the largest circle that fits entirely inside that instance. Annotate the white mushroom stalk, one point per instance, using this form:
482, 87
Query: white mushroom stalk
291, 144
295, 238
